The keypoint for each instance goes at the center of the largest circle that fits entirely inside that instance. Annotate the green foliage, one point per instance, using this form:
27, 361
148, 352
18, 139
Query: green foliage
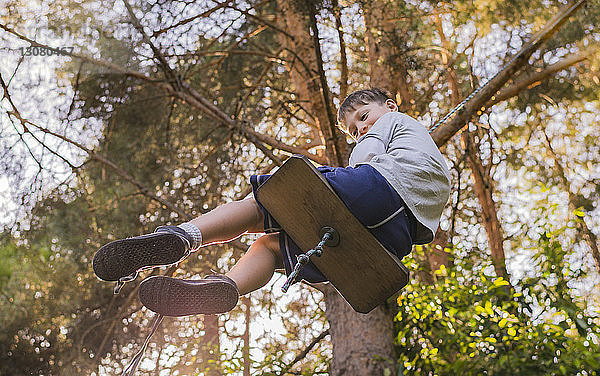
470, 323
9, 259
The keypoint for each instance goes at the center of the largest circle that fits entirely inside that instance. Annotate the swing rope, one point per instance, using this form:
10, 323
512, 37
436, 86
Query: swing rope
135, 362
304, 258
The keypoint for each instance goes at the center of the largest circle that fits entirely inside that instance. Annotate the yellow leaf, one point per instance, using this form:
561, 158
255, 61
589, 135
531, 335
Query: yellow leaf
500, 282
512, 332
502, 323
488, 308
441, 270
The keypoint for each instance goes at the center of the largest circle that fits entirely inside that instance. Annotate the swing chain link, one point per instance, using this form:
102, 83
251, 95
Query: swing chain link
304, 258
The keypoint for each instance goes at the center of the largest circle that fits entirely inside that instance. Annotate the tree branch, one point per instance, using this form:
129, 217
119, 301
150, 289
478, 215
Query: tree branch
261, 21
188, 95
188, 20
97, 62
177, 87
533, 79
304, 352
197, 100
99, 158
442, 134
171, 75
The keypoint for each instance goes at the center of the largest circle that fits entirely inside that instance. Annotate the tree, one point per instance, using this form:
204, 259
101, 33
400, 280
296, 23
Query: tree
176, 103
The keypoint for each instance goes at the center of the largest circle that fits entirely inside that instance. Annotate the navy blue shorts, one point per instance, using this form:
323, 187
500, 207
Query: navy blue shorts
369, 197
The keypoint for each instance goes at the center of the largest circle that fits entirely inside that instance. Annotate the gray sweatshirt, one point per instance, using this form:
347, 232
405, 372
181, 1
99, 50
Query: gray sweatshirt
401, 149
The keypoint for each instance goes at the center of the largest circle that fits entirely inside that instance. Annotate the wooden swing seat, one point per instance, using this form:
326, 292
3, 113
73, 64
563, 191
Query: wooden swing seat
359, 267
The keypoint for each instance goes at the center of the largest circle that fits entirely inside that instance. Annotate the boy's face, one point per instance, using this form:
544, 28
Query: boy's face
359, 121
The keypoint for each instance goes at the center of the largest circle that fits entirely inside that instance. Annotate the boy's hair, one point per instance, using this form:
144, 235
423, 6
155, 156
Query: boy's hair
361, 97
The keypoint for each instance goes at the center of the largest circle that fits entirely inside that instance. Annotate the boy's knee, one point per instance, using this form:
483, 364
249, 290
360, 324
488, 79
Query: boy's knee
270, 242
258, 221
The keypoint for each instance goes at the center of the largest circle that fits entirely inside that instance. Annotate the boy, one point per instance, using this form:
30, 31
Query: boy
397, 185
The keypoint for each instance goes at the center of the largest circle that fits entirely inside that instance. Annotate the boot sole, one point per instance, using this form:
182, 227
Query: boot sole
124, 257
177, 297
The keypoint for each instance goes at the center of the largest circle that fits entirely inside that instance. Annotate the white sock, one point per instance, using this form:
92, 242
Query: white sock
194, 232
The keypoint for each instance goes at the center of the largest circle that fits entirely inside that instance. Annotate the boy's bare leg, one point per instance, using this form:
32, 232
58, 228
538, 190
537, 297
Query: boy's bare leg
229, 221
170, 244
215, 293
256, 267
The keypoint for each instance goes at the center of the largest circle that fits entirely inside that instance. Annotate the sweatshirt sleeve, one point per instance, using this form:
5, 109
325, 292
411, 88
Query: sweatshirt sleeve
365, 150
376, 141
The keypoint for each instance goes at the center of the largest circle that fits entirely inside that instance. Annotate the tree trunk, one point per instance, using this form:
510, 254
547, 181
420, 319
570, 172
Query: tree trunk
590, 238
484, 188
337, 13
306, 69
483, 184
362, 343
387, 68
437, 255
